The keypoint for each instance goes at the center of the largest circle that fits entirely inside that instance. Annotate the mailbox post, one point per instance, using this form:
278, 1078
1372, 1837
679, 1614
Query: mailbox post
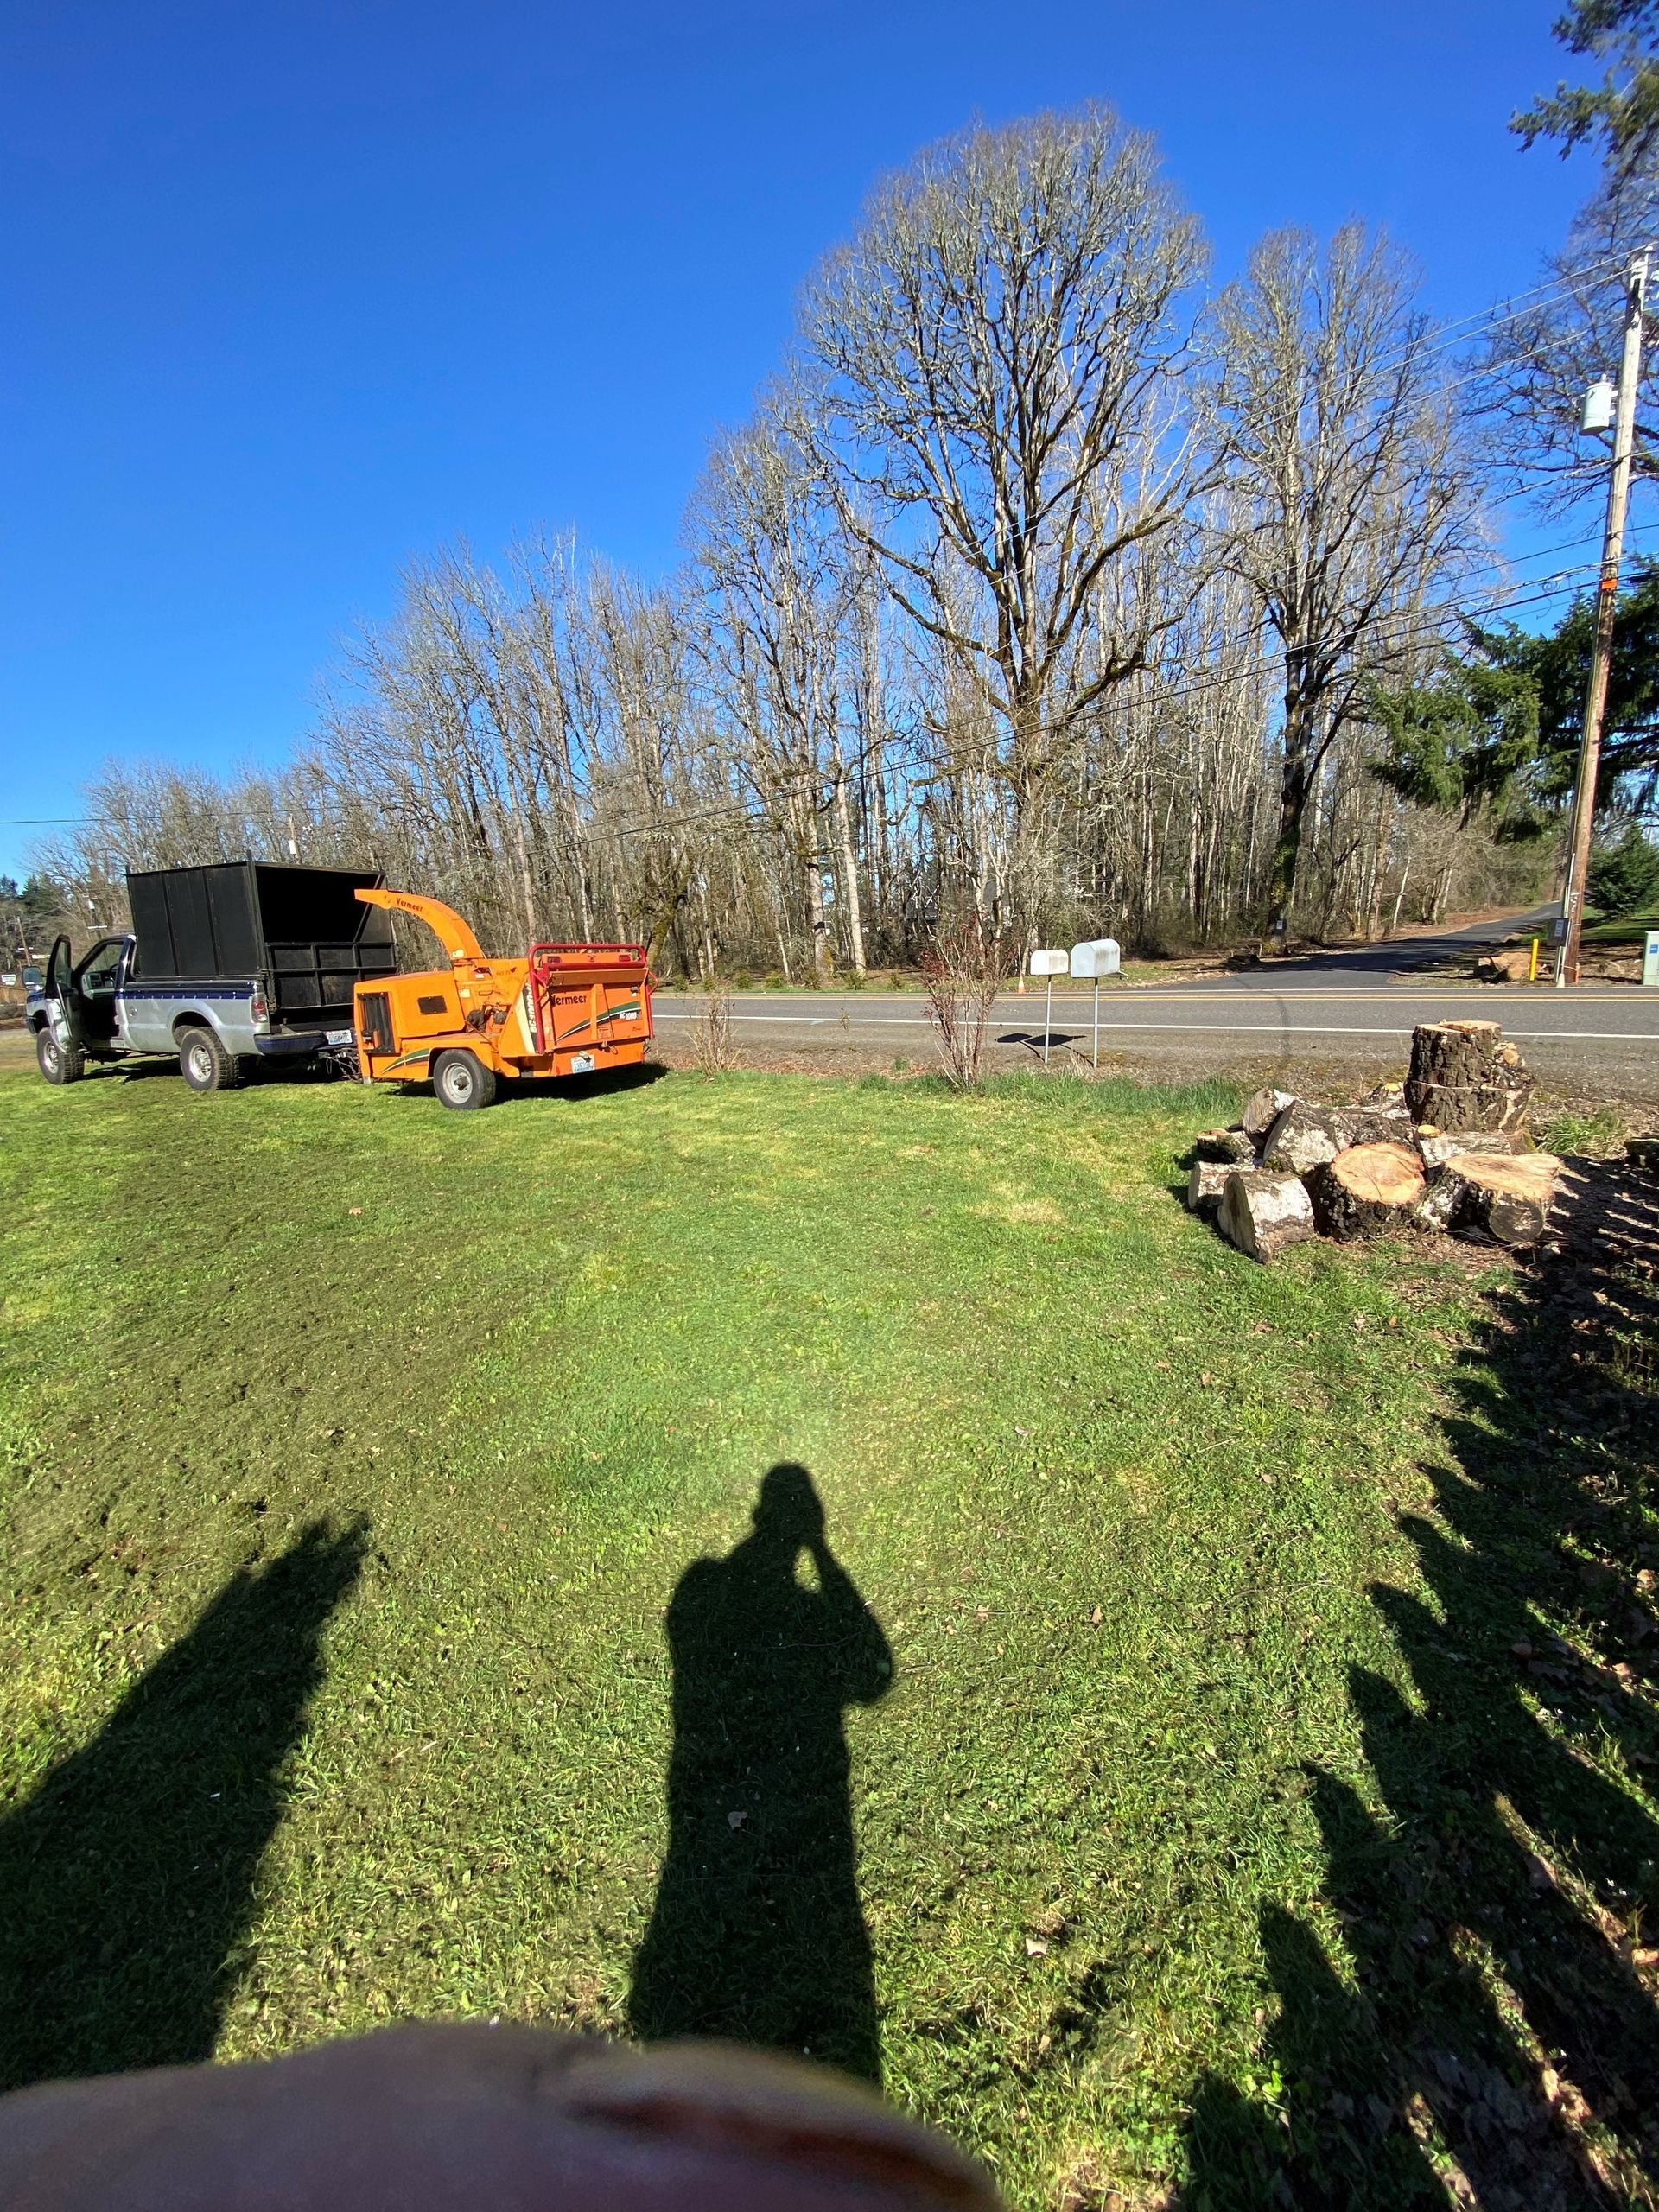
1651, 958
1098, 957
1049, 964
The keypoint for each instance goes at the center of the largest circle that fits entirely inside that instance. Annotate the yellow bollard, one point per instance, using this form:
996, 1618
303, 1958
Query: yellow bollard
1531, 972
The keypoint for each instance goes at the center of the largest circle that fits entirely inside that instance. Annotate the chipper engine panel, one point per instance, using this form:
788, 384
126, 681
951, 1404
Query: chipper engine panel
563, 1009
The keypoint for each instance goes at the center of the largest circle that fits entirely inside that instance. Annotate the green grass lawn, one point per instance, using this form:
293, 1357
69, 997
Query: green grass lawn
1629, 929
354, 1451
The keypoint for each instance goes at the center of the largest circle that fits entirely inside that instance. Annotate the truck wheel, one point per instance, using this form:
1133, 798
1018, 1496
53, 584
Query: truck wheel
206, 1064
59, 1063
462, 1080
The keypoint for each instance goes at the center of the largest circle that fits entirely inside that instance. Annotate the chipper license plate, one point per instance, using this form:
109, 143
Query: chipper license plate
336, 1036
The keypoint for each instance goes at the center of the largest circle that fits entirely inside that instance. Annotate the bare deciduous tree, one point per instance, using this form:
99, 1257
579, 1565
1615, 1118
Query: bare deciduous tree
994, 351
1528, 385
1351, 503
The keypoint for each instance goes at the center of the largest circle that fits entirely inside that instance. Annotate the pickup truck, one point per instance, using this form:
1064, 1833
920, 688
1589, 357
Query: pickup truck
230, 967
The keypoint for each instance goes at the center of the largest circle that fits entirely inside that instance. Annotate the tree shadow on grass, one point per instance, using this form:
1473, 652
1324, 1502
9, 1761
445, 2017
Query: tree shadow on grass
757, 1933
126, 1881
1495, 2036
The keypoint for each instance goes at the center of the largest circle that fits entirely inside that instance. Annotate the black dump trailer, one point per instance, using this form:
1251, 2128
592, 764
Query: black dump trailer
230, 967
299, 930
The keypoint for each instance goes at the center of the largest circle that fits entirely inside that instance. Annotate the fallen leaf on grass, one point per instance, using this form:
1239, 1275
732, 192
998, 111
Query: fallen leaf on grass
1035, 1947
736, 1820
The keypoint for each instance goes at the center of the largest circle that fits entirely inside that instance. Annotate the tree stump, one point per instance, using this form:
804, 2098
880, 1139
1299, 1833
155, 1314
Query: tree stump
1305, 1137
1506, 1195
1370, 1190
1436, 1147
1261, 1213
1464, 1076
1206, 1183
1263, 1110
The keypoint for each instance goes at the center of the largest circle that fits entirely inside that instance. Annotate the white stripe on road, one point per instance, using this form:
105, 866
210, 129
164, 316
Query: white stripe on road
1199, 1028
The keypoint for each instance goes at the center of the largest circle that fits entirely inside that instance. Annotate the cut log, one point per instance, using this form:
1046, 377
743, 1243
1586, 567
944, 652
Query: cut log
1206, 1183
1436, 1147
1304, 1137
1264, 1111
1507, 1196
1464, 1076
1370, 1190
1514, 966
1233, 1146
1263, 1213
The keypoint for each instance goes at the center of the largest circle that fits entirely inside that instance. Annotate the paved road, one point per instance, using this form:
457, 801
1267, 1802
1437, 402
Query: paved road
1357, 1005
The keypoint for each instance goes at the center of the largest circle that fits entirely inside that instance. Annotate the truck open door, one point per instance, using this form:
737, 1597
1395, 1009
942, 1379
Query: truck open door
60, 1046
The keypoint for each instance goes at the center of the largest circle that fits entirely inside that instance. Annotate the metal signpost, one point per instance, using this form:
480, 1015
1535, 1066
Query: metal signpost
1098, 957
1050, 964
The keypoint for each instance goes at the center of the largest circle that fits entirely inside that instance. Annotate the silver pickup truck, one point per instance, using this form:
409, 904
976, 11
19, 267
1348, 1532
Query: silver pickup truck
230, 967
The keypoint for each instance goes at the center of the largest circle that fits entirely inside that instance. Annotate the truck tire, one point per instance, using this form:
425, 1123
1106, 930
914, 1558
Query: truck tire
204, 1061
59, 1063
462, 1080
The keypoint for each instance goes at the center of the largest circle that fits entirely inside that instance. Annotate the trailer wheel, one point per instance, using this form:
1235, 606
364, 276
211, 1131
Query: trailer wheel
59, 1063
206, 1065
462, 1080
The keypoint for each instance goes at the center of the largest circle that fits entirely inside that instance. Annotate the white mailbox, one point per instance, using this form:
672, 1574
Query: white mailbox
1049, 964
1096, 958
1099, 957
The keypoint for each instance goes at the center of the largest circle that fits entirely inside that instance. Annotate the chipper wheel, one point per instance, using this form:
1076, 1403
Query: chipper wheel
462, 1080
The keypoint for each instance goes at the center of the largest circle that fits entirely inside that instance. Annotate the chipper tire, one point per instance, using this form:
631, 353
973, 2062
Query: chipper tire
462, 1081
59, 1063
206, 1063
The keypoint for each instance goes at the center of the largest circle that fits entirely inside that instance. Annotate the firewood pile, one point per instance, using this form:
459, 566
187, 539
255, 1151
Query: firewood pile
1446, 1151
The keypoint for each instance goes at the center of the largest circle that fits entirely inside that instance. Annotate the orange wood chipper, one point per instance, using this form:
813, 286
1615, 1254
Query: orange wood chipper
563, 1009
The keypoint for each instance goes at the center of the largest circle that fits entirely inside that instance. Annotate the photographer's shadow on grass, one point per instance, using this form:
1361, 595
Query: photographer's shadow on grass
757, 1934
128, 1879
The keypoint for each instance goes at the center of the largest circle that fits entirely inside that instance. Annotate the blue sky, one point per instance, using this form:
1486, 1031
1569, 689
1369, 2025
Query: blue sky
295, 291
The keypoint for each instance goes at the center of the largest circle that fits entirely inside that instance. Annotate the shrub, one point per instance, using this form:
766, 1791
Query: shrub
711, 1036
962, 971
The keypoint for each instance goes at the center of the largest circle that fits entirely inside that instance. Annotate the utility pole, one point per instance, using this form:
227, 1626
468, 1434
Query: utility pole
1613, 550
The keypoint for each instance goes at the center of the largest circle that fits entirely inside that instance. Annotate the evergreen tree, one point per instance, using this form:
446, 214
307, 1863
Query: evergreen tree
1620, 115
1624, 877
1498, 727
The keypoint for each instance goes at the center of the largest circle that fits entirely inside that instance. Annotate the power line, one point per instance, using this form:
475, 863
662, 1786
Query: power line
1557, 288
